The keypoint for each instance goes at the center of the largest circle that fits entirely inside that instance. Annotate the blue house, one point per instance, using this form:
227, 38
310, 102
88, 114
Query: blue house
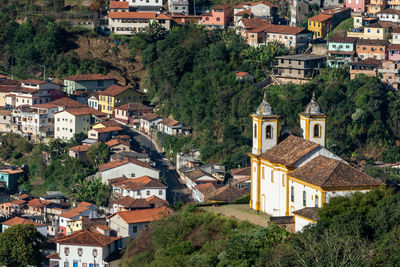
9, 176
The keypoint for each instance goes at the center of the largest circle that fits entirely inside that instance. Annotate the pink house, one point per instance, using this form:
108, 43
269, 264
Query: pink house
357, 5
219, 17
394, 52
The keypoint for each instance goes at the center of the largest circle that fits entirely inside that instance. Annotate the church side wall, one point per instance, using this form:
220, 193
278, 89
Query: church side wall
298, 196
342, 193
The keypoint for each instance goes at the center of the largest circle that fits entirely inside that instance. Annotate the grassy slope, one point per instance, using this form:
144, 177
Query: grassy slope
342, 28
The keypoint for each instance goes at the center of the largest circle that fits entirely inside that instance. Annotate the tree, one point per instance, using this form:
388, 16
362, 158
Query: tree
154, 32
92, 191
98, 154
21, 245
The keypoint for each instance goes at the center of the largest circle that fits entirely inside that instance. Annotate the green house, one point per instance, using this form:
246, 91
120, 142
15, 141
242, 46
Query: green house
341, 50
87, 82
9, 176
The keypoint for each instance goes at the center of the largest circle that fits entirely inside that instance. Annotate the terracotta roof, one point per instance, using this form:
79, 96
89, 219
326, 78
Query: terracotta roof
252, 23
114, 90
44, 106
206, 189
55, 256
115, 142
74, 212
118, 4
390, 11
103, 227
223, 6
381, 24
27, 90
32, 81
66, 102
3, 76
334, 11
241, 74
84, 204
282, 29
18, 220
246, 11
170, 122
372, 42
83, 111
150, 117
320, 18
289, 150
342, 39
108, 129
241, 171
129, 202
368, 61
90, 77
79, 148
38, 203
326, 172
197, 173
134, 107
117, 180
4, 112
118, 163
163, 16
310, 213
109, 123
18, 202
24, 196
265, 3
227, 193
242, 4
132, 15
394, 47
157, 201
145, 215
85, 237
143, 182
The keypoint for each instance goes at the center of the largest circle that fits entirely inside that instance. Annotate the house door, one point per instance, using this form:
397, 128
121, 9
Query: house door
75, 264
91, 265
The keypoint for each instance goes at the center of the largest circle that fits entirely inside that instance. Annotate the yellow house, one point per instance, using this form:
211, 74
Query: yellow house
377, 31
319, 25
6, 87
117, 95
376, 6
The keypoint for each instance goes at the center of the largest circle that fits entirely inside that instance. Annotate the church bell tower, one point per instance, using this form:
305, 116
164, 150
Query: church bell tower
313, 123
265, 128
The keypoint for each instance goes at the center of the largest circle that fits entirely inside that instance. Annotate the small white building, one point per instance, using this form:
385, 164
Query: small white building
84, 248
196, 177
389, 15
41, 228
127, 167
169, 126
128, 23
142, 187
83, 209
178, 7
93, 102
149, 121
304, 217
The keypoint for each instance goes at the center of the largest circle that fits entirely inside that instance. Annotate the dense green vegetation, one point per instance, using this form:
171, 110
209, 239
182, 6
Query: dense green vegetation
357, 230
192, 77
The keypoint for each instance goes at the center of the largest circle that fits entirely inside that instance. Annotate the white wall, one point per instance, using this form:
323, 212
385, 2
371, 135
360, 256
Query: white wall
341, 193
87, 255
139, 194
66, 125
318, 140
300, 223
298, 196
128, 170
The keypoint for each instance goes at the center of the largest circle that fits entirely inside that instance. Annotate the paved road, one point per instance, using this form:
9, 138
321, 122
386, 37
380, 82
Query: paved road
176, 190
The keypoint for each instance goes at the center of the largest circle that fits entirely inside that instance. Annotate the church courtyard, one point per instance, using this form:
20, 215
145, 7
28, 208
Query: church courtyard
241, 212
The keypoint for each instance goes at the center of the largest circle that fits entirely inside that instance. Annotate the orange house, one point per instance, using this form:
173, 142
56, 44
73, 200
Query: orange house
219, 17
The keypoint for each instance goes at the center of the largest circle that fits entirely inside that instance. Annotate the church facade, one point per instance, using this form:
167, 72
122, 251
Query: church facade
297, 172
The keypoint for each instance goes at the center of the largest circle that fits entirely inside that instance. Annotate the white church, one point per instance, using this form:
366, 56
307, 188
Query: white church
299, 172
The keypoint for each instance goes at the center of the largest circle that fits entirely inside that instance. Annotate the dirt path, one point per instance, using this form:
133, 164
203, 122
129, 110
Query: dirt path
241, 212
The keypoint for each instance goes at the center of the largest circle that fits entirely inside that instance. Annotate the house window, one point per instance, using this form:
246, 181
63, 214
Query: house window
148, 192
218, 19
272, 176
316, 201
80, 251
292, 193
304, 198
100, 83
66, 251
160, 192
317, 130
255, 130
132, 175
283, 180
134, 229
268, 132
66, 264
263, 173
94, 252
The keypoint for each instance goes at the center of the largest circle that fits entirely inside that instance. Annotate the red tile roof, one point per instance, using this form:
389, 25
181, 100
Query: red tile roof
84, 204
150, 116
223, 6
24, 196
241, 74
32, 81
320, 18
65, 102
145, 215
79, 148
55, 256
241, 171
118, 4
206, 189
74, 212
246, 11
90, 77
134, 107
109, 123
132, 15
108, 129
252, 23
265, 3
83, 111
242, 4
118, 163
117, 180
86, 238
18, 220
38, 203
129, 202
18, 202
141, 183
115, 90
170, 122
394, 47
282, 29
115, 142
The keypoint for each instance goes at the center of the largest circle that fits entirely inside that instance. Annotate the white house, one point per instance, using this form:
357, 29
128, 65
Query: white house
196, 176
178, 6
84, 248
298, 172
169, 126
389, 15
304, 217
93, 102
129, 203
396, 35
72, 121
83, 209
128, 23
41, 228
142, 187
128, 167
129, 223
149, 121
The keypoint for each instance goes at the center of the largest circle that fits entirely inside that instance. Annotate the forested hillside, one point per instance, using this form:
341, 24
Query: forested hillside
358, 230
192, 77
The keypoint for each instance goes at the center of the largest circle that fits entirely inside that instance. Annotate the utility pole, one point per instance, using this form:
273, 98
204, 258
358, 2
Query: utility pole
44, 71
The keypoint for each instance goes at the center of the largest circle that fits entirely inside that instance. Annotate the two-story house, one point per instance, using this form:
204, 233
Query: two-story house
219, 17
367, 67
389, 15
87, 82
376, 49
128, 23
319, 25
178, 6
117, 95
131, 112
376, 6
357, 5
341, 50
83, 209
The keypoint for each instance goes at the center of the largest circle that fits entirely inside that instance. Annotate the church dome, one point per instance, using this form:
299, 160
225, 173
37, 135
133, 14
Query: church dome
313, 107
265, 108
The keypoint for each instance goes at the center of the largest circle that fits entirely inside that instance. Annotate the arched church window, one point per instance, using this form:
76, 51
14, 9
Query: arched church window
255, 130
268, 132
292, 193
316, 201
317, 130
304, 198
